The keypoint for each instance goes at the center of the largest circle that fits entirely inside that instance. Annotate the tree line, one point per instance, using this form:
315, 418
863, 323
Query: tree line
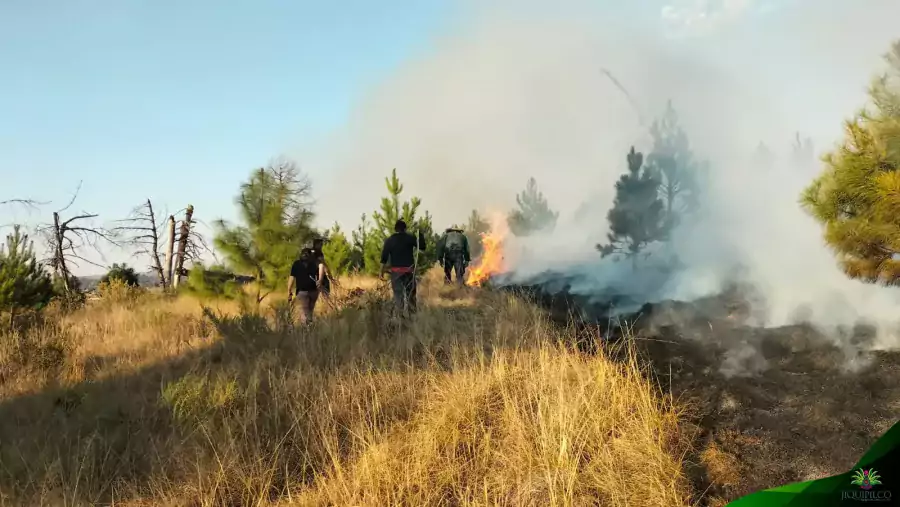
856, 198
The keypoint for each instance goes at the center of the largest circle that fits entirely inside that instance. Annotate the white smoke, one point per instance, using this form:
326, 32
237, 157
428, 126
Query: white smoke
700, 17
522, 92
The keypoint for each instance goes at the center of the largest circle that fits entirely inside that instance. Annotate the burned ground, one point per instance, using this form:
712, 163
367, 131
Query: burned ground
767, 406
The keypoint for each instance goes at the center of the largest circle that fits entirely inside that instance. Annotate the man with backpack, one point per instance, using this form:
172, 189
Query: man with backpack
307, 274
398, 257
453, 254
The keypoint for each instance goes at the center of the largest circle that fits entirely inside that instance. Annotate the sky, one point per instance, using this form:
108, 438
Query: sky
179, 101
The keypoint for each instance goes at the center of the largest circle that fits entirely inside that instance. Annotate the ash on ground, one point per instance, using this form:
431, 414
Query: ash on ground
789, 404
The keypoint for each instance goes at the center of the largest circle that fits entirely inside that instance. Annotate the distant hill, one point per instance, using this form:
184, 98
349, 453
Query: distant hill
147, 279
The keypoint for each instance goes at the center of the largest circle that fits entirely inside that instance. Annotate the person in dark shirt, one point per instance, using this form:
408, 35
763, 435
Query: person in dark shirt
306, 277
398, 256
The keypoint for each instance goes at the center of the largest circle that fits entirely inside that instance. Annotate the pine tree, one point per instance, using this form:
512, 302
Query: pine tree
24, 284
475, 227
428, 257
276, 214
361, 240
638, 216
391, 210
121, 272
673, 160
857, 197
337, 250
214, 282
534, 213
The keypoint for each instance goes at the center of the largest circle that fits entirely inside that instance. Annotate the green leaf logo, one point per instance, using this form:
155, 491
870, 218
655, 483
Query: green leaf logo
865, 479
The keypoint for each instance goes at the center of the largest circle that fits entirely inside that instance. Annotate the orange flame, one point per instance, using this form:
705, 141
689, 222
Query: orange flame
491, 260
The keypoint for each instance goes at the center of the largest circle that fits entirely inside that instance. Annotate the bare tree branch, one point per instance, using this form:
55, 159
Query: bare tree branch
26, 203
30, 205
67, 238
72, 200
141, 231
196, 243
78, 217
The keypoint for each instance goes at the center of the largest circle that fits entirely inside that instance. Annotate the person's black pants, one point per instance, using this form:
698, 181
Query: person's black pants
307, 302
404, 288
455, 264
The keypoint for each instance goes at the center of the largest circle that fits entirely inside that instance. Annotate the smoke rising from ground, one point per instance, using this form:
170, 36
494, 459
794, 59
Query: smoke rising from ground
516, 92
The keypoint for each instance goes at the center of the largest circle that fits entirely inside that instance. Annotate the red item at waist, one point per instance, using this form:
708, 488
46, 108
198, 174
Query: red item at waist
401, 270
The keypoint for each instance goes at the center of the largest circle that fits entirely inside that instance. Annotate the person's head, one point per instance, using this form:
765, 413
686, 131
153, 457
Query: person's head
306, 253
318, 243
400, 226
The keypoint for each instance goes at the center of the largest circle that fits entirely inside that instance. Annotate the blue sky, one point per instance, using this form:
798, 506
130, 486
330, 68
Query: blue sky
129, 96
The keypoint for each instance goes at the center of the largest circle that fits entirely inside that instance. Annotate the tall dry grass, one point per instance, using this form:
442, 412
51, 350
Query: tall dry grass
145, 400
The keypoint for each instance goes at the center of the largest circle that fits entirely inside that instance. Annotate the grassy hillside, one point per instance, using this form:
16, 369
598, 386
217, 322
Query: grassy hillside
145, 400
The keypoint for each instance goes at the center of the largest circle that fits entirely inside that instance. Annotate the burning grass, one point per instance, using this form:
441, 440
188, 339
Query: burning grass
475, 402
491, 261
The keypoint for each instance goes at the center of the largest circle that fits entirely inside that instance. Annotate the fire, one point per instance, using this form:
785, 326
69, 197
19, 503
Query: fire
491, 260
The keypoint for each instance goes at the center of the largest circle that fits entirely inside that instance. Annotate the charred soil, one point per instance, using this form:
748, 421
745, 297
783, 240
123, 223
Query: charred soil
767, 406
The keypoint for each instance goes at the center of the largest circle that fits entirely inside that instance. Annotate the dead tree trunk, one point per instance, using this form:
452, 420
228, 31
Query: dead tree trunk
157, 265
183, 236
66, 238
142, 232
59, 259
170, 249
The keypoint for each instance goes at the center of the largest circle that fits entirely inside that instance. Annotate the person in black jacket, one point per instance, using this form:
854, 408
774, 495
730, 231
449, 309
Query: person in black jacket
307, 274
398, 256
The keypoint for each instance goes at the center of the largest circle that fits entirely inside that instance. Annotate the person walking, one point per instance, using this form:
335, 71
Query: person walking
398, 257
453, 254
306, 277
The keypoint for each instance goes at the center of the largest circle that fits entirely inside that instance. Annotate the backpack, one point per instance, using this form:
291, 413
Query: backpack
456, 243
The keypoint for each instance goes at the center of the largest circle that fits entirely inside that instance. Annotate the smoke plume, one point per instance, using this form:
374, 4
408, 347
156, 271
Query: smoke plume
562, 92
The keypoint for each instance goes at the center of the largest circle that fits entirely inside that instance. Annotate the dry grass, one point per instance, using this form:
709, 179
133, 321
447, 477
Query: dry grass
143, 400
722, 467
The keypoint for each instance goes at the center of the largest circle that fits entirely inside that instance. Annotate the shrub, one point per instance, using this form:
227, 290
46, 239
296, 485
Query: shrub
121, 272
116, 291
213, 283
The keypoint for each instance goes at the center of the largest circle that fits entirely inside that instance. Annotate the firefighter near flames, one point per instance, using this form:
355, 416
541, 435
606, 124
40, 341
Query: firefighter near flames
453, 254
